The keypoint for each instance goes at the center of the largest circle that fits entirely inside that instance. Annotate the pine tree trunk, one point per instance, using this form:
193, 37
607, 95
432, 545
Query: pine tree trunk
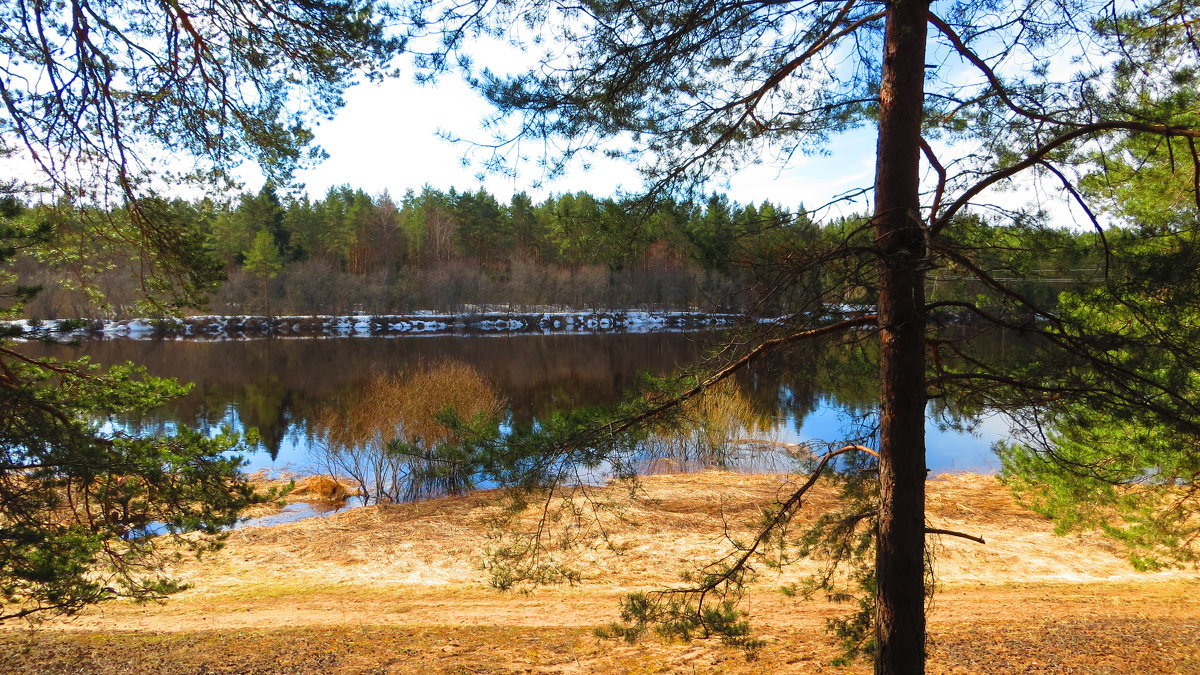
899, 563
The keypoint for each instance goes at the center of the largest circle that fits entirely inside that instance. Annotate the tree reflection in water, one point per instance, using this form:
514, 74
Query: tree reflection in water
813, 393
722, 428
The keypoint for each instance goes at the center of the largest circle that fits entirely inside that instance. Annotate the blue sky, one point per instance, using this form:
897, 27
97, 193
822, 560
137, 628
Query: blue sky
386, 138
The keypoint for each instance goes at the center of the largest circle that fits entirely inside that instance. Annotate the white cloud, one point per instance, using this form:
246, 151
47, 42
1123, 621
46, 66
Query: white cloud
387, 138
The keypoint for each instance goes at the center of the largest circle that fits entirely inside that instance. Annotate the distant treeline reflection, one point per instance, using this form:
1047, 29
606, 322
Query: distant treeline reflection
306, 395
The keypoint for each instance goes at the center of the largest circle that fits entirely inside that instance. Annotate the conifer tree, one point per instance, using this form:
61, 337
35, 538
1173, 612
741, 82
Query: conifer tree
105, 105
965, 97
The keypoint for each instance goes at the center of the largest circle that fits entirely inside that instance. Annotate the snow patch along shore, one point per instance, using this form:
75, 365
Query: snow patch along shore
364, 325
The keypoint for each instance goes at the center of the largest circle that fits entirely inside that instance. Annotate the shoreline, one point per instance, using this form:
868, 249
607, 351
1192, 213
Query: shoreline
406, 589
221, 327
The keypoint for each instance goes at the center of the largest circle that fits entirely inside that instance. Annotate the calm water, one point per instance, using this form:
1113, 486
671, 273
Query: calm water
285, 387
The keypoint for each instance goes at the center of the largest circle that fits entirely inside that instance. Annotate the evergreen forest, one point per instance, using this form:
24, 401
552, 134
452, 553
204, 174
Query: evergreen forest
273, 252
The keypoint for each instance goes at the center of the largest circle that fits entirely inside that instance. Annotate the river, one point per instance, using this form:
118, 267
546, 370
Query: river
282, 387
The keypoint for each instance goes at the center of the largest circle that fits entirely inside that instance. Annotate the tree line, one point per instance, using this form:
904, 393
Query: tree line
275, 252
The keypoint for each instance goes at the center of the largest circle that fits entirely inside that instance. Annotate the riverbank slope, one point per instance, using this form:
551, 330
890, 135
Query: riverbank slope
405, 589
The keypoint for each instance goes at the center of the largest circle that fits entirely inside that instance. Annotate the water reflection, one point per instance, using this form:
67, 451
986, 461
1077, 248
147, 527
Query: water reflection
290, 513
391, 435
724, 429
292, 391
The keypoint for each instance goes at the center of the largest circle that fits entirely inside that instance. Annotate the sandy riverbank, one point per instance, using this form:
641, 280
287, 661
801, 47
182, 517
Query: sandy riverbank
404, 589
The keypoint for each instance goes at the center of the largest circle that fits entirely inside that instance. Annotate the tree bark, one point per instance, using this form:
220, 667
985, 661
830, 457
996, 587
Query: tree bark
900, 236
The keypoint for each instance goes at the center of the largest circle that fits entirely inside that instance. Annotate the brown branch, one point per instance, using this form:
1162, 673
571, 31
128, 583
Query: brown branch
993, 79
941, 186
997, 286
782, 515
860, 448
828, 38
1039, 154
952, 533
753, 355
42, 364
1195, 170
1116, 375
751, 101
1086, 209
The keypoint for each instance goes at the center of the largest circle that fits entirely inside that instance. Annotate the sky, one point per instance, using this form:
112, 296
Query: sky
386, 138
390, 137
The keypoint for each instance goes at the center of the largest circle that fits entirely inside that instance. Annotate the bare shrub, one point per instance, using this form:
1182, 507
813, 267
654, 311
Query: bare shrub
389, 436
110, 289
711, 429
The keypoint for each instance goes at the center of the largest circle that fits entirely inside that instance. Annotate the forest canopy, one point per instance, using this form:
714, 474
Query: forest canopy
454, 250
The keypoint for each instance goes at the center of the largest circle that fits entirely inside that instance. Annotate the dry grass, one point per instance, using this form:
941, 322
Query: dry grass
1089, 646
671, 522
321, 488
403, 589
